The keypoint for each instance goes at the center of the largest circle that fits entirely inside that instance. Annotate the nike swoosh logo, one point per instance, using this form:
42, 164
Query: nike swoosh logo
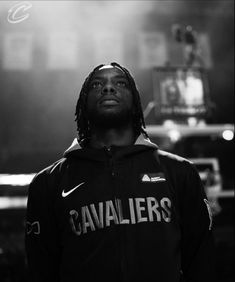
65, 194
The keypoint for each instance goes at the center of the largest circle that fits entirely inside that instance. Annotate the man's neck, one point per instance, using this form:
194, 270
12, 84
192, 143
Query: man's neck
112, 137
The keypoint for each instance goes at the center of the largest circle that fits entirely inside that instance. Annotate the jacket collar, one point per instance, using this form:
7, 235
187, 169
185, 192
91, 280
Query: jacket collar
141, 140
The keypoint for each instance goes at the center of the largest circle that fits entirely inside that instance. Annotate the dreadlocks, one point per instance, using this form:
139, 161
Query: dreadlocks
81, 112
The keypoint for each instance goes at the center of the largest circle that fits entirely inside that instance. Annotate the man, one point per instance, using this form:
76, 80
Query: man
115, 207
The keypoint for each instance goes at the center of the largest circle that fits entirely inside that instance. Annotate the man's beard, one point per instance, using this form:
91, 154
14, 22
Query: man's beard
108, 120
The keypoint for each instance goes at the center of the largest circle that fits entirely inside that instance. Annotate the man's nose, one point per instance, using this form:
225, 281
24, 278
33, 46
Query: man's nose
108, 89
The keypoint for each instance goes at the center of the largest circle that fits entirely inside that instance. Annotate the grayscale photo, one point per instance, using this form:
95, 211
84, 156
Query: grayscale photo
117, 141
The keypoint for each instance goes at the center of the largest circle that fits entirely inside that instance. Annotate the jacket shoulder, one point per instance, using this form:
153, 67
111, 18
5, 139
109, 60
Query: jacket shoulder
49, 172
170, 158
178, 168
176, 164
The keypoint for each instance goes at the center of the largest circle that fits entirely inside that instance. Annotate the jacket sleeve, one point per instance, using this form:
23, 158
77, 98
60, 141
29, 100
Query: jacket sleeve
41, 236
197, 240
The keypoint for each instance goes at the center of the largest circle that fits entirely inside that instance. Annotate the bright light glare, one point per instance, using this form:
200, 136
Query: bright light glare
192, 121
174, 135
16, 179
12, 202
228, 135
168, 123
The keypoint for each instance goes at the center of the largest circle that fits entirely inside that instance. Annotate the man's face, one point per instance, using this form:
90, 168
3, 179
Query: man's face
109, 101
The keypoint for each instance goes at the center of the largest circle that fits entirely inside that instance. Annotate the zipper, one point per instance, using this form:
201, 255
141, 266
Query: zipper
111, 161
119, 235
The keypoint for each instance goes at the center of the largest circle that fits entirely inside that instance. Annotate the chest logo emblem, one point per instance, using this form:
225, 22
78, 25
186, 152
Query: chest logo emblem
65, 194
153, 177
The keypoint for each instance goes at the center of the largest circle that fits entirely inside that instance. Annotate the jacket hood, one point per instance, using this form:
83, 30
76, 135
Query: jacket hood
141, 144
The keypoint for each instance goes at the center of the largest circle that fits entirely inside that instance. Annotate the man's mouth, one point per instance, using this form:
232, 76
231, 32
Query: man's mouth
109, 102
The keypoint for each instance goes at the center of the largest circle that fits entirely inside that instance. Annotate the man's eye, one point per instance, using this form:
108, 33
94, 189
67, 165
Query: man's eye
96, 84
121, 83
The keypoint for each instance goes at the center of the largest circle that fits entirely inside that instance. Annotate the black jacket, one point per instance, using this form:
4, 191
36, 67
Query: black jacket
122, 214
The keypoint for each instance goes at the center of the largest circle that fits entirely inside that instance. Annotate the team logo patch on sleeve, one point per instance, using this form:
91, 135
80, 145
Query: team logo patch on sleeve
33, 227
209, 212
152, 177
